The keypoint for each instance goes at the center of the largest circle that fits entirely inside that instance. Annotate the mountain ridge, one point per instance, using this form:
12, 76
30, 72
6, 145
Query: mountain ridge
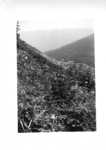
52, 95
80, 51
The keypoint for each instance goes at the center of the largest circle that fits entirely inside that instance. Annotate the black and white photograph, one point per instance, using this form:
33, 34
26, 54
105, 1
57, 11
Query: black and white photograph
52, 74
56, 78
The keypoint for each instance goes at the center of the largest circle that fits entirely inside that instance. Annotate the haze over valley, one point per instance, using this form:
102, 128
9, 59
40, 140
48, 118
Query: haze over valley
45, 40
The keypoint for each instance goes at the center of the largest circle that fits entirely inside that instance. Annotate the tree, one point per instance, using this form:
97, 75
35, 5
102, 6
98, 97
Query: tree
18, 30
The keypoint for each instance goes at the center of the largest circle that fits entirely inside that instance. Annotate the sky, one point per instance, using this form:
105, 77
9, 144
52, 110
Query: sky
53, 38
49, 24
50, 34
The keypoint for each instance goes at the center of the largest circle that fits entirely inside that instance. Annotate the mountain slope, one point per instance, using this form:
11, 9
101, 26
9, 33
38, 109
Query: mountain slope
81, 51
53, 96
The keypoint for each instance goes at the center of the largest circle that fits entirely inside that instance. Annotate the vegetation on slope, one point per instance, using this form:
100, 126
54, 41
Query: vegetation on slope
52, 96
81, 51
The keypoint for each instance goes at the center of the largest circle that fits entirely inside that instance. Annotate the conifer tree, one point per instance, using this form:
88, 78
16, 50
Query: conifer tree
18, 30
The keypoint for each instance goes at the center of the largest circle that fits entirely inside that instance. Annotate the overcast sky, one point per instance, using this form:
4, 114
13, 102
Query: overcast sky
56, 22
52, 39
51, 34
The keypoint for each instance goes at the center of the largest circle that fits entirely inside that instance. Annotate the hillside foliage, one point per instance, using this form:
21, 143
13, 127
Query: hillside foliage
80, 51
53, 96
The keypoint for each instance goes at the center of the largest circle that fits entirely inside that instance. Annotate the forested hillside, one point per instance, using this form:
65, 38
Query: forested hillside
52, 95
80, 51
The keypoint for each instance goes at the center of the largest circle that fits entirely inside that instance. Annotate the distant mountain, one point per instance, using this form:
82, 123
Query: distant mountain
81, 51
52, 95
